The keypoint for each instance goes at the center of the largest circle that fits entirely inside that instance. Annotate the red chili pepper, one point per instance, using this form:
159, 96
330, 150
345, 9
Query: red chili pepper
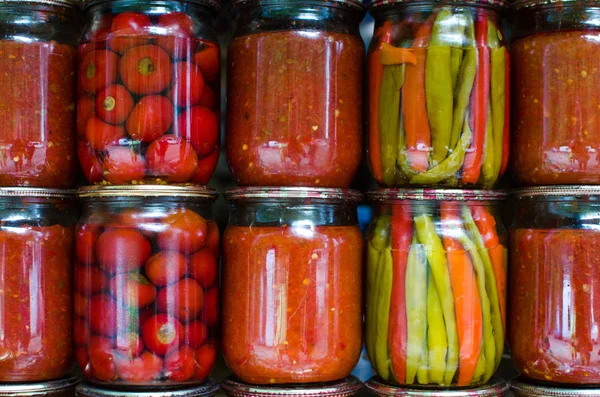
479, 103
506, 136
401, 236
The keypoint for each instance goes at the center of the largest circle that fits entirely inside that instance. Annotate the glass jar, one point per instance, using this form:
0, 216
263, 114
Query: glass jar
344, 388
292, 267
521, 388
38, 87
438, 93
56, 388
294, 92
147, 285
36, 264
208, 389
495, 388
149, 78
556, 135
436, 286
555, 278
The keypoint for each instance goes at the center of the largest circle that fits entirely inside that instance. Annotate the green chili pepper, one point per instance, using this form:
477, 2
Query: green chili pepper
497, 92
436, 337
480, 368
487, 168
373, 258
392, 80
382, 313
381, 232
423, 372
456, 53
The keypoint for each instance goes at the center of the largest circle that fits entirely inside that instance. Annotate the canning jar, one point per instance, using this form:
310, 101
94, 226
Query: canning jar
149, 78
343, 388
556, 135
56, 388
520, 388
208, 389
294, 92
38, 87
555, 278
36, 263
436, 286
146, 285
438, 93
292, 280
495, 388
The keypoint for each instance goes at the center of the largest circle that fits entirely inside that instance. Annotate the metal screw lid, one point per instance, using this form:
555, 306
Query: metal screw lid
557, 192
436, 195
214, 5
343, 388
209, 388
500, 4
36, 192
38, 389
521, 388
76, 4
521, 4
120, 191
262, 193
237, 4
494, 388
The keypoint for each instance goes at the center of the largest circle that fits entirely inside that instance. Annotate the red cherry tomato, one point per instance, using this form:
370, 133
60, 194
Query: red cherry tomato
208, 99
103, 313
83, 360
151, 118
85, 240
177, 24
184, 299
185, 231
80, 304
206, 357
132, 290
113, 104
195, 334
101, 135
98, 69
86, 109
102, 365
90, 280
212, 239
122, 251
211, 307
90, 165
203, 267
166, 267
129, 344
181, 364
123, 165
200, 126
209, 60
178, 47
146, 70
145, 368
188, 84
162, 334
206, 167
172, 158
81, 331
126, 29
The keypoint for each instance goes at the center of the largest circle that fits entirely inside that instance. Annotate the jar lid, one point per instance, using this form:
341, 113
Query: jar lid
208, 388
214, 5
342, 388
490, 3
494, 388
114, 191
36, 192
520, 4
558, 191
237, 4
521, 388
59, 3
39, 388
436, 195
259, 193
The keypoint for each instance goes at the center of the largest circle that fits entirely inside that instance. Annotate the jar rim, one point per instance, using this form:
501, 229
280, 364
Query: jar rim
238, 4
38, 388
119, 191
557, 191
436, 195
499, 4
342, 388
214, 5
268, 192
494, 388
36, 192
75, 4
208, 388
524, 388
521, 4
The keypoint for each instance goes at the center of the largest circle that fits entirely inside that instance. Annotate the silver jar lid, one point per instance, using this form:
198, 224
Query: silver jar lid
500, 4
36, 192
209, 388
343, 388
557, 192
120, 191
75, 4
436, 195
521, 388
494, 388
262, 193
237, 4
214, 5
521, 4
61, 387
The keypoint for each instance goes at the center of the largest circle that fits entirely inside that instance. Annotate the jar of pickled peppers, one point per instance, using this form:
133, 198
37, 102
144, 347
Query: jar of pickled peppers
149, 78
436, 286
438, 93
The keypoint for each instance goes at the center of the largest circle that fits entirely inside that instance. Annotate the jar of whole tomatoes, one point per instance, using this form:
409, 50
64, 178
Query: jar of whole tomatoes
38, 91
36, 264
343, 388
294, 92
292, 281
555, 279
495, 388
146, 285
438, 93
55, 388
556, 135
208, 389
436, 286
149, 78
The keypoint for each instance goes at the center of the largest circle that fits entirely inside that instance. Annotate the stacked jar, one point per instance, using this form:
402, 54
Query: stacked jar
292, 252
146, 277
554, 318
438, 105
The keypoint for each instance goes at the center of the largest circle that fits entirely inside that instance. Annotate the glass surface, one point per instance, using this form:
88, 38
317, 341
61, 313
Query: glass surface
438, 96
436, 292
292, 291
294, 108
147, 291
148, 107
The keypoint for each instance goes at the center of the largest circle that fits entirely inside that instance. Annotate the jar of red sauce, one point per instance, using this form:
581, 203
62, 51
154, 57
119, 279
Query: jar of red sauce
556, 133
555, 280
208, 389
38, 91
149, 78
495, 388
346, 387
146, 285
55, 388
294, 92
436, 286
292, 285
36, 264
438, 93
